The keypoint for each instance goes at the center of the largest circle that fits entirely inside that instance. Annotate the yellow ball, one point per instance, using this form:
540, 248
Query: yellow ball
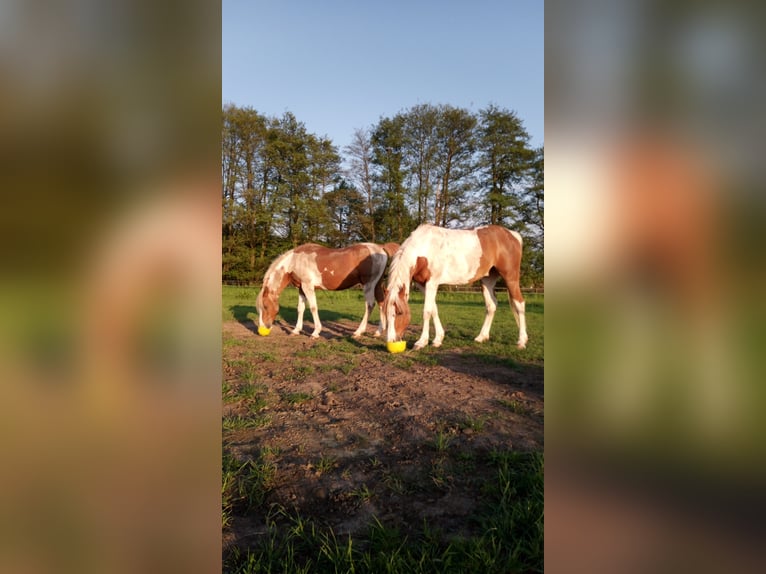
263, 331
396, 346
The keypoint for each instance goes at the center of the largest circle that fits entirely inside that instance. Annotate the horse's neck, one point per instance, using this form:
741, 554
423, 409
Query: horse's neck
277, 280
404, 270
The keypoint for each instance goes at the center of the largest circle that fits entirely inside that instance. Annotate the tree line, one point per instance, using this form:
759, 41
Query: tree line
283, 186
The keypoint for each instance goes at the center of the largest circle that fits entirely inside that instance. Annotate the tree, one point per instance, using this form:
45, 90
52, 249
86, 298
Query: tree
504, 161
455, 140
283, 186
392, 217
360, 174
346, 209
511, 183
419, 150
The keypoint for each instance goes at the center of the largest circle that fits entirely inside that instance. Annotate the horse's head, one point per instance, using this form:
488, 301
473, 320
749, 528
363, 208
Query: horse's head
267, 304
397, 312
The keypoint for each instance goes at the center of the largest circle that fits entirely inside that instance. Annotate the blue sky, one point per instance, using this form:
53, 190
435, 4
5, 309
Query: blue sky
339, 65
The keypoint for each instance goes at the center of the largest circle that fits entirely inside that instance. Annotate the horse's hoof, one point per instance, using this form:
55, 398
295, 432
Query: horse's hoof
480, 339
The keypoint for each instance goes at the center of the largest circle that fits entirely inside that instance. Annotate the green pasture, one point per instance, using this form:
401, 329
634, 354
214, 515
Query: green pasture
461, 313
510, 516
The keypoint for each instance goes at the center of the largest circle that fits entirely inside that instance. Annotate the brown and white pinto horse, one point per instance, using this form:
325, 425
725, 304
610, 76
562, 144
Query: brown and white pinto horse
310, 266
433, 256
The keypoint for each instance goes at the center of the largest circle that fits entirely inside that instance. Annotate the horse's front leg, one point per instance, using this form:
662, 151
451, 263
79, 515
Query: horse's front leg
429, 312
379, 295
369, 305
301, 309
312, 300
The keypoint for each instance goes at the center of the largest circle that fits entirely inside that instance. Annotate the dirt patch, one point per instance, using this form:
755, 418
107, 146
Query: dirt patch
343, 431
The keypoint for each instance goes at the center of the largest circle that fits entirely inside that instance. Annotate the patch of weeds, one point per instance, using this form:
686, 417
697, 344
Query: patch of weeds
242, 423
317, 351
476, 424
517, 504
256, 405
394, 483
466, 462
244, 485
270, 452
518, 407
404, 363
266, 357
440, 474
511, 520
297, 398
348, 346
228, 393
250, 391
346, 367
442, 440
303, 370
427, 358
251, 375
363, 493
325, 464
237, 364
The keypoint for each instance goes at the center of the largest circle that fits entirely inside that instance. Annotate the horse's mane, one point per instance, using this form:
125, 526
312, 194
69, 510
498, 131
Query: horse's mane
269, 278
402, 261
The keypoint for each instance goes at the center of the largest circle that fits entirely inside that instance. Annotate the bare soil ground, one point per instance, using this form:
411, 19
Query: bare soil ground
351, 432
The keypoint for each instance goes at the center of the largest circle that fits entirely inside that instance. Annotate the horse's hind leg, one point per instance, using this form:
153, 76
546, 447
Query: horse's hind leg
490, 302
518, 306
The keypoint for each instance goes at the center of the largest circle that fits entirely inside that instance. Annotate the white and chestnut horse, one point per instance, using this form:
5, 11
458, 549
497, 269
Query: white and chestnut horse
310, 267
433, 256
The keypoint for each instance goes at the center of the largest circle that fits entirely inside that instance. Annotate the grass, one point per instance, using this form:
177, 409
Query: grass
461, 314
517, 407
510, 516
242, 423
297, 398
325, 464
244, 485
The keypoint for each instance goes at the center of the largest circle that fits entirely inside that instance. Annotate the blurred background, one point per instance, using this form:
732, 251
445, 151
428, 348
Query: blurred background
110, 286
655, 280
